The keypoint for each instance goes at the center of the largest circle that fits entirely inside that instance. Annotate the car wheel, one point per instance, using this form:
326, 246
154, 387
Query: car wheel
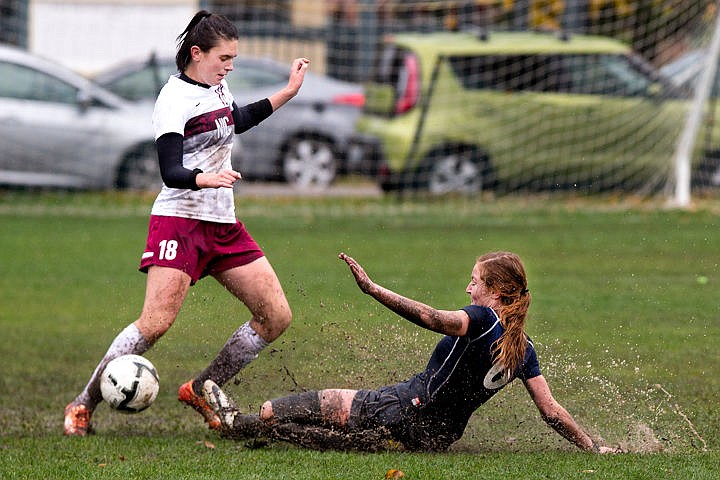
455, 170
309, 162
140, 170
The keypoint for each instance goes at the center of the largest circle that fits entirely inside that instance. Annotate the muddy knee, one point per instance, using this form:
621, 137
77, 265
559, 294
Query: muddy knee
266, 411
271, 327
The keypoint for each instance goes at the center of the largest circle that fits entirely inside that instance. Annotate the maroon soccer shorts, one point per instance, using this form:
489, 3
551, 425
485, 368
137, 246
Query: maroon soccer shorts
198, 248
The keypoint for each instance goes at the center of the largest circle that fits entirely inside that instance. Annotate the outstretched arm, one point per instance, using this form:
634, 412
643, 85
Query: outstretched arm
448, 322
559, 419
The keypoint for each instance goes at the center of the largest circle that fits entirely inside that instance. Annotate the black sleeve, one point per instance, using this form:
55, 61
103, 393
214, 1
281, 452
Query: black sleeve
250, 115
170, 154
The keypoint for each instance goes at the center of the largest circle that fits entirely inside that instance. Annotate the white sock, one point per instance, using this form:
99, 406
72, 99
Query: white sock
129, 341
242, 348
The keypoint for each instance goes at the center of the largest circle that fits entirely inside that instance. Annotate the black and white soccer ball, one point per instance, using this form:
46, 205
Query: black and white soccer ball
129, 383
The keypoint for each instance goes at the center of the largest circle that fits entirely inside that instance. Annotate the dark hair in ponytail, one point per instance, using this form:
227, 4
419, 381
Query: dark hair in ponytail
504, 273
204, 30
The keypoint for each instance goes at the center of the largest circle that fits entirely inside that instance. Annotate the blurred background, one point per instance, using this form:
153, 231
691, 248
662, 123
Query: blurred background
467, 97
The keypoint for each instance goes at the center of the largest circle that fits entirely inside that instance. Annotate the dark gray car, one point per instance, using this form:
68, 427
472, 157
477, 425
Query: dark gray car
307, 142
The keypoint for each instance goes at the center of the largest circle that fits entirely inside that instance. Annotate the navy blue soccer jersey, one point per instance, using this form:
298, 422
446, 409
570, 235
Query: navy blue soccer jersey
460, 375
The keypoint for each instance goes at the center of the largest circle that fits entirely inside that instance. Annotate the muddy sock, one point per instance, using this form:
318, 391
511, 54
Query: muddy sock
247, 427
324, 438
242, 348
303, 408
129, 341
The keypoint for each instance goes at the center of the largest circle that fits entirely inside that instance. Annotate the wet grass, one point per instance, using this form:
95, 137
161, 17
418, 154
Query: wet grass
625, 318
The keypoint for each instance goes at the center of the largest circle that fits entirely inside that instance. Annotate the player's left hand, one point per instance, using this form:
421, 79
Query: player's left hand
221, 179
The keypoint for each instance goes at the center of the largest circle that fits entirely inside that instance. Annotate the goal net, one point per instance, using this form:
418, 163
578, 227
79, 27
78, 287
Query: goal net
461, 96
546, 95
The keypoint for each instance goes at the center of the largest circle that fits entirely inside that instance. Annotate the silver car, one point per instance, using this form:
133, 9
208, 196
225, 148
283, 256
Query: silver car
57, 129
307, 143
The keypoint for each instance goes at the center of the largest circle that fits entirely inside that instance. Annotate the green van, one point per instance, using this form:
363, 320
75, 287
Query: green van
464, 112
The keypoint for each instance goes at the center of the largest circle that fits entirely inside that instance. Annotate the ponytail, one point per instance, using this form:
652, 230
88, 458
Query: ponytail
504, 273
509, 350
205, 30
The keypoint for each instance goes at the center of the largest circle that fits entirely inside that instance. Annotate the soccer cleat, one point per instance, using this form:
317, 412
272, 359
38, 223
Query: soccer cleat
77, 420
187, 396
223, 407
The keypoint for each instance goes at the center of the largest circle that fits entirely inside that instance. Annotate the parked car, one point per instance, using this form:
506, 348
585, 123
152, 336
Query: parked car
57, 129
463, 112
307, 142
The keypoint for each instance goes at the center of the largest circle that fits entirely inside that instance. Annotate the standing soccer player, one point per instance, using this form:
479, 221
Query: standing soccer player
193, 231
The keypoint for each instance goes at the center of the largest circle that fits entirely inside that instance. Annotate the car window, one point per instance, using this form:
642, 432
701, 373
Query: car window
247, 77
613, 75
144, 83
606, 75
509, 72
17, 81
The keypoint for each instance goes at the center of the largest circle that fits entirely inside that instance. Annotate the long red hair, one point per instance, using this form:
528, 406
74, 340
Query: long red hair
504, 273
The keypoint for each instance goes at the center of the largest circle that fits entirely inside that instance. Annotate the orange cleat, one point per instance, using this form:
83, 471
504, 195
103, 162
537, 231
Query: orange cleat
77, 420
187, 396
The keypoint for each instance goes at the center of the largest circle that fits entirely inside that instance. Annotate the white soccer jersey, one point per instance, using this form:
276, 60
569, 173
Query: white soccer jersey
203, 116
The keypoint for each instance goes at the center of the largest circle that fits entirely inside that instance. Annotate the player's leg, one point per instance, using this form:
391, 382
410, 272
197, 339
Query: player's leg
307, 419
330, 438
325, 407
319, 420
234, 424
335, 405
165, 291
257, 286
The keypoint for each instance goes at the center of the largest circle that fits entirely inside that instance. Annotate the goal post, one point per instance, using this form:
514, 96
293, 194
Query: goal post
689, 136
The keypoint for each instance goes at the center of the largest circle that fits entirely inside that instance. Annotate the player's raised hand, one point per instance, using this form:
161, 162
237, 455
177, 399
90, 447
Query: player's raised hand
297, 76
297, 73
362, 278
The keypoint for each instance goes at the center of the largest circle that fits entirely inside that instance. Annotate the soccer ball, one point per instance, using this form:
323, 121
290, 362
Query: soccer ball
129, 383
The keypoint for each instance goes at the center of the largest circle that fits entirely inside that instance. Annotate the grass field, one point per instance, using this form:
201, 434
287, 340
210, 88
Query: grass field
625, 317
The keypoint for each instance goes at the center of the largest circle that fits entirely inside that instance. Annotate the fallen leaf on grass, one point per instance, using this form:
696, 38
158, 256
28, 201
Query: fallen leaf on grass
208, 444
392, 473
